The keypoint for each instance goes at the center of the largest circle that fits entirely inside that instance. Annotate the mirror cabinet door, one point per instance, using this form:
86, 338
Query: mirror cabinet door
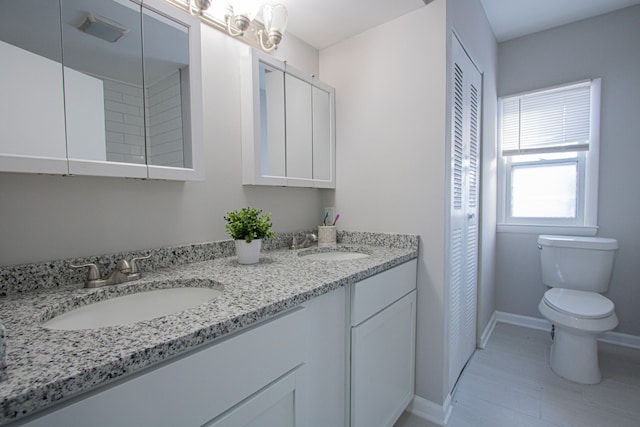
299, 135
32, 129
272, 121
103, 85
322, 134
166, 90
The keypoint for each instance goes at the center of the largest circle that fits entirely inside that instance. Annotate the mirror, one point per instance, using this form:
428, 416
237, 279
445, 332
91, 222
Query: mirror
272, 113
299, 127
103, 80
322, 131
123, 100
32, 104
166, 90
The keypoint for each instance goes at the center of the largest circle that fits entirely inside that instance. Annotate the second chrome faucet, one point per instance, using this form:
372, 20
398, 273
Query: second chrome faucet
125, 271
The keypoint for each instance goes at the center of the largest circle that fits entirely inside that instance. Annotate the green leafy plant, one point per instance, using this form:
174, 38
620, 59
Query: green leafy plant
248, 224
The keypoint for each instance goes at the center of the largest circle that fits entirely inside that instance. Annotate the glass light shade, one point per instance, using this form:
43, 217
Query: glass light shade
275, 19
248, 9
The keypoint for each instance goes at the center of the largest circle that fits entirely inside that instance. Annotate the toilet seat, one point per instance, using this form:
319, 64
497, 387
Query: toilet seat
580, 304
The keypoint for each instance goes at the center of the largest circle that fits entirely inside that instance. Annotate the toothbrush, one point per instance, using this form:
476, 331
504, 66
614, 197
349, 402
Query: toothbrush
324, 221
336, 220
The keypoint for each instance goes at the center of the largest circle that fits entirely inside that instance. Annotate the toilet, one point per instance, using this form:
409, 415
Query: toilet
577, 270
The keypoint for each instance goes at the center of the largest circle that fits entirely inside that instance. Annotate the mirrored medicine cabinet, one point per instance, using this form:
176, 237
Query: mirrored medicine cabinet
100, 87
288, 125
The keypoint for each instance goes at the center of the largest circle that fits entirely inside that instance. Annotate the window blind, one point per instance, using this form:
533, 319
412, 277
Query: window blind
546, 121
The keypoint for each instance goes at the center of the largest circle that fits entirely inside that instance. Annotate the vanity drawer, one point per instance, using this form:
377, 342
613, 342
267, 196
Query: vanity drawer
377, 292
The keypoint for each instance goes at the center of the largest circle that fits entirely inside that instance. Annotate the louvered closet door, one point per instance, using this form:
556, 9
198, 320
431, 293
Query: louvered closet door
463, 233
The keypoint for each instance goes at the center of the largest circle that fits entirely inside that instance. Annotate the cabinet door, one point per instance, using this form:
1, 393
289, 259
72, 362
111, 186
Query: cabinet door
271, 407
299, 135
32, 130
324, 141
382, 365
272, 120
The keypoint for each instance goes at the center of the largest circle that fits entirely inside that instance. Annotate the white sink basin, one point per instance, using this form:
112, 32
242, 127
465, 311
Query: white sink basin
132, 308
334, 256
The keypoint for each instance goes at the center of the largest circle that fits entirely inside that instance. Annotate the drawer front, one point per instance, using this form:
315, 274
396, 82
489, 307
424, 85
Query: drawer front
375, 293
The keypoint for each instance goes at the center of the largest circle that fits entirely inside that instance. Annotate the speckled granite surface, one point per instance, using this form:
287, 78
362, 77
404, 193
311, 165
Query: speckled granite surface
45, 366
52, 274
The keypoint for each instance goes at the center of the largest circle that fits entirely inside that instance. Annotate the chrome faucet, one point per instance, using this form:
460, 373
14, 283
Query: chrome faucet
125, 271
309, 239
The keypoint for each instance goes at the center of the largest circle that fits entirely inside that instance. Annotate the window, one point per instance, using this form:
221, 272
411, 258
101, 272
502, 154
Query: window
549, 149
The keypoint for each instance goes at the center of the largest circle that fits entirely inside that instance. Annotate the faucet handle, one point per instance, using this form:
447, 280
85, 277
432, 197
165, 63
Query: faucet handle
123, 266
94, 272
93, 275
134, 265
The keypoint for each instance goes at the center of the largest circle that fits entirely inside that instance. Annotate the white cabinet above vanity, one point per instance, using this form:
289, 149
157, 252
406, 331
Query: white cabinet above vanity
125, 99
288, 125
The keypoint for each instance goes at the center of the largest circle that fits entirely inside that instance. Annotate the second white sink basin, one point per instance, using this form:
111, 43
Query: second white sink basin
334, 256
132, 308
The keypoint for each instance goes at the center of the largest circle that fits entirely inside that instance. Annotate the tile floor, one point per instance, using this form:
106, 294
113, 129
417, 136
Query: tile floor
510, 384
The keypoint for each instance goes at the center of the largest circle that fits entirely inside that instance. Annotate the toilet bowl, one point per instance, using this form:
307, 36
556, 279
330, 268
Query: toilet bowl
579, 318
577, 270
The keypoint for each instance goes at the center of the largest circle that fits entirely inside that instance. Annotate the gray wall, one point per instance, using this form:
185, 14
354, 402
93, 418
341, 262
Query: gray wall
607, 46
52, 217
391, 92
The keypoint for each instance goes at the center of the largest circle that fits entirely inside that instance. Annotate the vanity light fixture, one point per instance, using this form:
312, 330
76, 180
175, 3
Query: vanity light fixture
242, 17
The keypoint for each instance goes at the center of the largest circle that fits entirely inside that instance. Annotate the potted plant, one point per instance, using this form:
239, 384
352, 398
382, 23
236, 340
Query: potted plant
248, 227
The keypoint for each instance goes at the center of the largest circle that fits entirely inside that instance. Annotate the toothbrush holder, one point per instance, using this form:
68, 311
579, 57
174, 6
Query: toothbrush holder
326, 235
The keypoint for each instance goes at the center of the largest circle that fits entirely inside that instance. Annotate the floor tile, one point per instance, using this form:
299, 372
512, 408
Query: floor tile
510, 384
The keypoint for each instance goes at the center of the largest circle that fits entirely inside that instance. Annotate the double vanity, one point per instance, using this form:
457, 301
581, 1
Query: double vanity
301, 338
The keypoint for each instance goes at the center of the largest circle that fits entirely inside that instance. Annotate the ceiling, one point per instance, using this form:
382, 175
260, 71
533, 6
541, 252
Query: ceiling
322, 23
510, 19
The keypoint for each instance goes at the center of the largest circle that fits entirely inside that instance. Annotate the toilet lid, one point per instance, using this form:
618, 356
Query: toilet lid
586, 305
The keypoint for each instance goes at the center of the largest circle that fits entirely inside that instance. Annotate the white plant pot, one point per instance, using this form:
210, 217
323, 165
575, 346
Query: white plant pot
248, 253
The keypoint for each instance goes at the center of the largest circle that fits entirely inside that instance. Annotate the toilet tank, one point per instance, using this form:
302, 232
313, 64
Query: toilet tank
573, 262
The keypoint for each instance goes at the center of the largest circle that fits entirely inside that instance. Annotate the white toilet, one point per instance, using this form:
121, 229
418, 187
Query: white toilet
578, 270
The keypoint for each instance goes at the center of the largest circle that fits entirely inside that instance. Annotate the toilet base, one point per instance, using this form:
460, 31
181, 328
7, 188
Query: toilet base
574, 356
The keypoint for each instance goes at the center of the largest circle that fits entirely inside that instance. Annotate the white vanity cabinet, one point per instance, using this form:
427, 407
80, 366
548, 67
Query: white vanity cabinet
345, 358
383, 318
288, 125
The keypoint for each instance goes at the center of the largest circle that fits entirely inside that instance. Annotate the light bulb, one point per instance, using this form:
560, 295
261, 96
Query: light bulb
275, 22
244, 11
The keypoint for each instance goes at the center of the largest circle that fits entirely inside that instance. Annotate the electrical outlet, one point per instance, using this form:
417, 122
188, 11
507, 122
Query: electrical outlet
330, 218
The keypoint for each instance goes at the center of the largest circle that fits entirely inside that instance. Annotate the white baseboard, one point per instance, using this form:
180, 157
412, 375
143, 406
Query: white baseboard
520, 320
430, 411
488, 330
617, 338
625, 340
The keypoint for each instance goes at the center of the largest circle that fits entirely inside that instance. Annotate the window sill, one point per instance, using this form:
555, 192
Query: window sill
571, 230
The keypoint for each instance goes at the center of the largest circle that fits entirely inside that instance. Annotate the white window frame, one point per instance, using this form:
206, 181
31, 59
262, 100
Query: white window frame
586, 219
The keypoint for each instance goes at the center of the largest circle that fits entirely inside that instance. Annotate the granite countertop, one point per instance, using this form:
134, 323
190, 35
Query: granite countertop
46, 366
